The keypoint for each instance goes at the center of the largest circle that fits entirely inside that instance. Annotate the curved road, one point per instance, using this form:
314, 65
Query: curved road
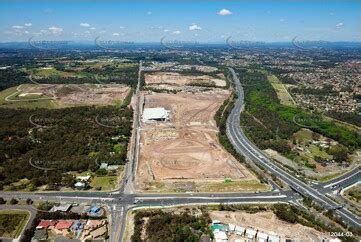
245, 147
124, 198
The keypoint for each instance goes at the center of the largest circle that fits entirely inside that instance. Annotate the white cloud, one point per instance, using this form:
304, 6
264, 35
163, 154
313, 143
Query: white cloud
339, 25
92, 28
17, 27
282, 20
194, 27
176, 32
55, 30
149, 13
26, 32
224, 12
85, 25
166, 30
28, 24
116, 34
121, 27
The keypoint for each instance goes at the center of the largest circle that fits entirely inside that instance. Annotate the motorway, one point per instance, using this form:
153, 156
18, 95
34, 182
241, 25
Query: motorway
120, 201
244, 146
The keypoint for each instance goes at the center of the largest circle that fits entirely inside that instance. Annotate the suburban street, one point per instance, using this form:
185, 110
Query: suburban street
122, 200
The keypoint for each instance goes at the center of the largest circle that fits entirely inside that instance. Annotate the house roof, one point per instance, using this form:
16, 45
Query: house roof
62, 208
83, 178
99, 231
93, 223
79, 184
64, 224
46, 223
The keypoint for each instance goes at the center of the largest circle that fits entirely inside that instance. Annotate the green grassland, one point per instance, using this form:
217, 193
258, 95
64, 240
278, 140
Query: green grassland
12, 222
106, 183
23, 104
282, 93
46, 72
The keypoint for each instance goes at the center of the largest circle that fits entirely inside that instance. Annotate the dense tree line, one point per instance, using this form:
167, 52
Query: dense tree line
12, 77
167, 226
352, 118
62, 140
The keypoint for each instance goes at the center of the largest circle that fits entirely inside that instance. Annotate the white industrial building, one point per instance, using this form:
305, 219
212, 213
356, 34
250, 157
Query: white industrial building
155, 114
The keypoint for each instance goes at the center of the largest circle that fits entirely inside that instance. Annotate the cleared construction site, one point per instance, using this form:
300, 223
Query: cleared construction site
180, 148
83, 94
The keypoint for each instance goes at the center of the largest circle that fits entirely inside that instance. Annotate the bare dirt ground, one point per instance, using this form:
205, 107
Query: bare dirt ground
269, 223
92, 94
186, 148
177, 79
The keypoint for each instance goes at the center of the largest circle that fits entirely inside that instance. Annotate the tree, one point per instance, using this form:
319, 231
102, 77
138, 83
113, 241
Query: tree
13, 201
2, 200
29, 201
339, 152
101, 172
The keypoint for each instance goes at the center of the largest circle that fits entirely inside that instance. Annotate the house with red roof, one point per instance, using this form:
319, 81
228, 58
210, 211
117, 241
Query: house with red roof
64, 224
45, 224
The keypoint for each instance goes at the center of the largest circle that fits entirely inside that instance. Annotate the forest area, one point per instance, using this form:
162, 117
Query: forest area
56, 142
168, 226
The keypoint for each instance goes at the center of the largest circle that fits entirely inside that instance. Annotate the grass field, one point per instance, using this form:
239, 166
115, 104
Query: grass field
107, 183
282, 93
221, 186
18, 219
303, 135
46, 72
23, 104
316, 151
330, 177
234, 186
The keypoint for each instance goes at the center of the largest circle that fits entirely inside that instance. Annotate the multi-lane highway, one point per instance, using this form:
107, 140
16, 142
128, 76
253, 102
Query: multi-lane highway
125, 198
244, 146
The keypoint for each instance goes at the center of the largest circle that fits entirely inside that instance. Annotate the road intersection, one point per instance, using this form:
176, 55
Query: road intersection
120, 201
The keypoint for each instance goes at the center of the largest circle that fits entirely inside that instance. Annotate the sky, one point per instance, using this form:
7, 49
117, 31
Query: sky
172, 20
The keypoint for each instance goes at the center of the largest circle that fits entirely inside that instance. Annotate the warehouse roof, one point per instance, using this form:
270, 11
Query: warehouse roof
155, 114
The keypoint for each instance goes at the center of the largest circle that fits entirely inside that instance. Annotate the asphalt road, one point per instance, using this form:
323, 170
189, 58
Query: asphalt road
244, 146
125, 198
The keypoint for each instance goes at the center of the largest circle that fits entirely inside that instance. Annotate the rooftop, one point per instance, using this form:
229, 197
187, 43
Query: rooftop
155, 114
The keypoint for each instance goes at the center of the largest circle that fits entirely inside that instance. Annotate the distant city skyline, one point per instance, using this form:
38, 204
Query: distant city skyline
202, 21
